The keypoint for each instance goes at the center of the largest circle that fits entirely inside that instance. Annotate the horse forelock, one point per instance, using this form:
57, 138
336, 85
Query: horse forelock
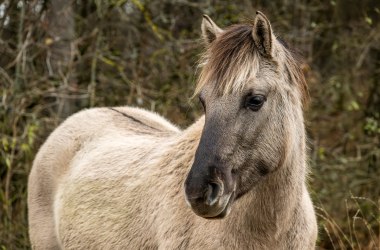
233, 58
229, 60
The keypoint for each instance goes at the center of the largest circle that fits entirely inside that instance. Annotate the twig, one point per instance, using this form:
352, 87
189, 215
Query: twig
94, 62
17, 86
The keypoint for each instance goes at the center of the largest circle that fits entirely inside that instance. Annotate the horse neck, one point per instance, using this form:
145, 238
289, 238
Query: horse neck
193, 133
183, 149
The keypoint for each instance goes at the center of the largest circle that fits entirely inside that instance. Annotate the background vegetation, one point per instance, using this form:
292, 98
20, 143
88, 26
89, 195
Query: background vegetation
60, 56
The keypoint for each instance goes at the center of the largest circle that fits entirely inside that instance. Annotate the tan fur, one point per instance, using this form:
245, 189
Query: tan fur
113, 179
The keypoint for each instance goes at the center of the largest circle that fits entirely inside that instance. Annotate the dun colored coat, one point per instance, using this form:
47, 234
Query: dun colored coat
125, 178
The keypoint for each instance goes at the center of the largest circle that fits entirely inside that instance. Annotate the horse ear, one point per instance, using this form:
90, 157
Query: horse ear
262, 34
210, 31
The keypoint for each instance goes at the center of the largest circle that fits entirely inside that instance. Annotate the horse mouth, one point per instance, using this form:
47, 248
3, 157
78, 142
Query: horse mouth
226, 210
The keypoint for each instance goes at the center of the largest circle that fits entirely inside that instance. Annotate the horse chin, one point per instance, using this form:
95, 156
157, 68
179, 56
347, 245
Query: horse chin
226, 210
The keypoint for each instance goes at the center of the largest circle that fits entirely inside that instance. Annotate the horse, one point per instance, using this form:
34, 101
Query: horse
126, 178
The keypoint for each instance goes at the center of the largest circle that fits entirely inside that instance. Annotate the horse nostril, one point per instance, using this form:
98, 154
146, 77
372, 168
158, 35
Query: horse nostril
213, 193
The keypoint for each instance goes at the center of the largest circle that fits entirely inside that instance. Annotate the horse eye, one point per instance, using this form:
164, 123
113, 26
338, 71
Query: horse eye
255, 102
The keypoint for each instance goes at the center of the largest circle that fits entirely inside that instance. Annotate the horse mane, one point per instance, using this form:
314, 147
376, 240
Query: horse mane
233, 57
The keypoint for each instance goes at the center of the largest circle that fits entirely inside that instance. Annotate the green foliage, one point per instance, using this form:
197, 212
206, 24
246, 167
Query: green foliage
144, 53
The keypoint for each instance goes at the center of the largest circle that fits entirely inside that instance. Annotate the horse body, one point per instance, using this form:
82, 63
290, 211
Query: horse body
113, 178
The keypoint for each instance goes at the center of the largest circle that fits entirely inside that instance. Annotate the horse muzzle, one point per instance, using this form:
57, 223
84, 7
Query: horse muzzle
211, 199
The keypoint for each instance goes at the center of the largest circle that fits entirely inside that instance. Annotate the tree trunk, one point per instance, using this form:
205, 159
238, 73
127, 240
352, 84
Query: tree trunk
61, 35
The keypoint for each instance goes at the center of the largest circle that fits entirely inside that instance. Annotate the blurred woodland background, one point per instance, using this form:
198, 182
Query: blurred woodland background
60, 56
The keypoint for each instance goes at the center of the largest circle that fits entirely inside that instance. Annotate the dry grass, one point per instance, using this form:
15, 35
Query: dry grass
359, 231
